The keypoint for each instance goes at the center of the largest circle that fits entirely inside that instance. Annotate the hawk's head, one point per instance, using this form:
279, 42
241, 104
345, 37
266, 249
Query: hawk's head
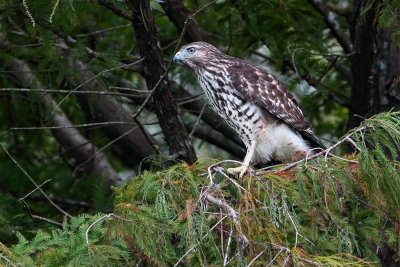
196, 54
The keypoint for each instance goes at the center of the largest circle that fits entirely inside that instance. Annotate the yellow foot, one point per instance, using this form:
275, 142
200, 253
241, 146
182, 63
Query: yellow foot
241, 170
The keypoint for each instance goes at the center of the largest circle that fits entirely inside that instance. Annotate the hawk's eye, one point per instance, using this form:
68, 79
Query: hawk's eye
191, 50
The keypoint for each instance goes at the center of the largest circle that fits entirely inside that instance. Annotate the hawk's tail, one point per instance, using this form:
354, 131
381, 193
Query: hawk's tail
312, 139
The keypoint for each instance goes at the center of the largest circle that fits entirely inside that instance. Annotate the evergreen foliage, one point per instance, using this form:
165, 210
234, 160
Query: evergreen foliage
68, 247
334, 211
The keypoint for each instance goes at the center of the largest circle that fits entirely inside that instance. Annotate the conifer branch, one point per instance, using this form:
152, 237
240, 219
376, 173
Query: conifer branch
179, 14
196, 245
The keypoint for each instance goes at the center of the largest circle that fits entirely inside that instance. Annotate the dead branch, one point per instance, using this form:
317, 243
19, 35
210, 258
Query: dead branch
232, 214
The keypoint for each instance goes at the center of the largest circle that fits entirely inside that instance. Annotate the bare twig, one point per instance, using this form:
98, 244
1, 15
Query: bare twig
63, 202
94, 77
256, 257
37, 217
351, 141
34, 190
153, 90
69, 91
99, 152
29, 14
189, 99
295, 227
287, 259
222, 171
7, 260
33, 181
197, 120
211, 168
104, 30
93, 224
87, 233
228, 245
94, 124
274, 258
53, 11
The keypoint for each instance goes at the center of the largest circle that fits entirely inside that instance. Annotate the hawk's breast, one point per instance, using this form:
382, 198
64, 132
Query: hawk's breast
243, 116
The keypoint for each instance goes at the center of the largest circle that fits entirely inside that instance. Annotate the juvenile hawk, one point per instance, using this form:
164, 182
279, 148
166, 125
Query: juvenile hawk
253, 102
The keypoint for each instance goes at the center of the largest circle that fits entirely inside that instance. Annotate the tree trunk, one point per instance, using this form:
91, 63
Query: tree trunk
375, 64
156, 78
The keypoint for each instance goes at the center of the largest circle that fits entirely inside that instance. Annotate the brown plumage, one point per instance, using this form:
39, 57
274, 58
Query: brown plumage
253, 102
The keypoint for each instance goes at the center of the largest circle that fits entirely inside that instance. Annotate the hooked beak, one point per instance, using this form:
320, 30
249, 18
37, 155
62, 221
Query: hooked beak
177, 59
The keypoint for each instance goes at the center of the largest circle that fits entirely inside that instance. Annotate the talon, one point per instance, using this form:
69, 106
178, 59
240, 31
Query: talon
238, 170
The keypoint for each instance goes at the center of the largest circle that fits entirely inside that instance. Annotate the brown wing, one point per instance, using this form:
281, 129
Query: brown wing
262, 88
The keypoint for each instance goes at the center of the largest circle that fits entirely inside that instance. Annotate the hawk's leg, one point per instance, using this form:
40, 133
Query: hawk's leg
246, 162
